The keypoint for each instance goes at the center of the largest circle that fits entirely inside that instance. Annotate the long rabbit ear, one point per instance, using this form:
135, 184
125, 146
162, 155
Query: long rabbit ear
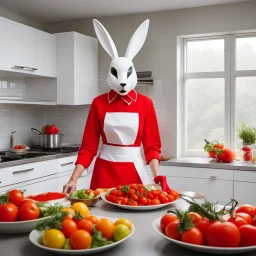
105, 39
137, 40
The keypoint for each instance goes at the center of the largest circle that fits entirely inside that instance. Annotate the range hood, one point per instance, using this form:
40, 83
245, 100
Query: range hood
145, 78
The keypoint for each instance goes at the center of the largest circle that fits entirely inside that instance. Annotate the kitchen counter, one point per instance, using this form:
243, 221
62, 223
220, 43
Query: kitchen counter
208, 163
36, 159
144, 241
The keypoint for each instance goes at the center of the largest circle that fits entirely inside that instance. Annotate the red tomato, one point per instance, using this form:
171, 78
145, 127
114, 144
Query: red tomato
165, 200
223, 234
111, 198
148, 201
8, 212
68, 227
131, 191
16, 197
161, 196
253, 222
85, 225
80, 240
238, 221
124, 200
175, 194
118, 187
203, 226
155, 193
119, 193
248, 156
172, 230
134, 197
133, 186
248, 235
246, 216
171, 198
134, 203
195, 216
143, 200
28, 211
141, 190
166, 219
150, 196
113, 192
155, 201
192, 236
247, 209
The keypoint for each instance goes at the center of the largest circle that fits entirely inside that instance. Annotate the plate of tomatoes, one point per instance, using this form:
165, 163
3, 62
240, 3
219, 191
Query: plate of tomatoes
210, 228
87, 235
139, 197
20, 215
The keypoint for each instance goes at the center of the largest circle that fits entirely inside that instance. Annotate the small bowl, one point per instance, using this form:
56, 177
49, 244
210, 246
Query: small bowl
88, 202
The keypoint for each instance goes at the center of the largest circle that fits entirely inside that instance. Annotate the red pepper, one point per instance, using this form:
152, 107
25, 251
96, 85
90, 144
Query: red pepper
52, 129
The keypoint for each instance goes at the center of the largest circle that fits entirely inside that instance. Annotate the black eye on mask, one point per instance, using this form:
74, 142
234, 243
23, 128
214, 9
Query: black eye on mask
113, 72
129, 72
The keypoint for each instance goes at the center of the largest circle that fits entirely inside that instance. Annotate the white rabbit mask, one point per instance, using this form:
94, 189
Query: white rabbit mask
122, 77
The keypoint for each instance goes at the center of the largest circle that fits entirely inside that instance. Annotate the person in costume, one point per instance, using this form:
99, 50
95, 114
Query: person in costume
124, 119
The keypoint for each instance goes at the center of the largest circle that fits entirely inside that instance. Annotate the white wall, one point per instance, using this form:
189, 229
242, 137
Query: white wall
159, 52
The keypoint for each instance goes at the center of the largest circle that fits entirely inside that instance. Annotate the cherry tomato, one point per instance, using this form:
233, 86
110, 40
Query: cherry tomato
85, 225
16, 197
170, 197
155, 201
111, 198
155, 193
150, 196
223, 234
143, 200
246, 216
8, 212
192, 236
175, 194
161, 196
68, 227
119, 193
133, 186
93, 219
118, 187
28, 211
80, 239
238, 221
113, 192
249, 209
166, 219
134, 203
148, 201
203, 226
131, 191
141, 190
124, 201
134, 197
106, 227
172, 230
248, 235
165, 200
195, 216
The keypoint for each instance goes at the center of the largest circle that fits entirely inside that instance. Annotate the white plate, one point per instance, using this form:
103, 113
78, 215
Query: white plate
139, 208
18, 227
34, 235
202, 248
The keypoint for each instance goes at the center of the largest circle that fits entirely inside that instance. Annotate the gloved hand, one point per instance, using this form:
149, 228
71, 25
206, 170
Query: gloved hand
160, 179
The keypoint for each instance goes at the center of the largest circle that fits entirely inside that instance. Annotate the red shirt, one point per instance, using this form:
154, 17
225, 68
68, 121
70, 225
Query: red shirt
148, 132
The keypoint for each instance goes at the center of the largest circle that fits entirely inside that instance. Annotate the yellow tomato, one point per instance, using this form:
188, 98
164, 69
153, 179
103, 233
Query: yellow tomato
125, 222
82, 208
71, 213
53, 238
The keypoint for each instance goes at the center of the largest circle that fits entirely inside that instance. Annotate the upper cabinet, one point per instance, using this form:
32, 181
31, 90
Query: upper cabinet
26, 50
77, 68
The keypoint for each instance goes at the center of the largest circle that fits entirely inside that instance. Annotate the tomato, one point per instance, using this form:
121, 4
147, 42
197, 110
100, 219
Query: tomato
85, 225
192, 236
96, 192
68, 227
118, 187
119, 193
155, 193
155, 201
248, 235
134, 197
8, 212
248, 156
80, 240
16, 197
165, 200
113, 192
131, 191
134, 203
172, 230
195, 217
150, 196
133, 186
161, 196
28, 211
82, 208
71, 213
223, 234
141, 190
246, 216
170, 197
124, 221
120, 232
124, 201
166, 219
253, 222
238, 221
88, 191
175, 194
148, 201
203, 226
111, 198
106, 227
53, 238
93, 219
249, 209
143, 200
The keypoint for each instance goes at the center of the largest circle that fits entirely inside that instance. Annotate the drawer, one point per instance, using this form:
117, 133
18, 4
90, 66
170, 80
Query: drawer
203, 173
66, 164
245, 176
25, 172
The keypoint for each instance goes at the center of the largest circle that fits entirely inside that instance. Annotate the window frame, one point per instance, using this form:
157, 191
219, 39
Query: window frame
229, 74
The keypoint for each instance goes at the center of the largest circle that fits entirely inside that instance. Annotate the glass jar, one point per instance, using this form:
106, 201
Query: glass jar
247, 153
254, 154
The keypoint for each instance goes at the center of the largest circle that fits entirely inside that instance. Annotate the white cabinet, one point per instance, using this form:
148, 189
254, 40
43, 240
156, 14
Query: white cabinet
17, 47
84, 181
45, 54
77, 68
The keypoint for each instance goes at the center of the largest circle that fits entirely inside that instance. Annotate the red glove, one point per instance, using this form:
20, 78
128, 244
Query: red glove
160, 179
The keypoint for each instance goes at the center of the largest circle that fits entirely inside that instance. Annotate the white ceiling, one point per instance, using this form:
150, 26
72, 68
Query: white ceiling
59, 10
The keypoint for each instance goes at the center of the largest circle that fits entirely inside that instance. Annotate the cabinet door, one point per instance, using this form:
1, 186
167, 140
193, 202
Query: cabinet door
17, 47
214, 190
244, 192
84, 181
62, 181
45, 54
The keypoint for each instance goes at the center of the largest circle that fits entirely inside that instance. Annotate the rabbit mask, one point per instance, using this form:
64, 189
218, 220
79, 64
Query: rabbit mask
122, 76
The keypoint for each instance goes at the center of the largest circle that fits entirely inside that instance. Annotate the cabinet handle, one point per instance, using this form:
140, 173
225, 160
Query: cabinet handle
21, 171
67, 164
213, 177
24, 68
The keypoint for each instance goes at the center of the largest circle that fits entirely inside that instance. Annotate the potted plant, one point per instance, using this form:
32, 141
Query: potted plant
248, 136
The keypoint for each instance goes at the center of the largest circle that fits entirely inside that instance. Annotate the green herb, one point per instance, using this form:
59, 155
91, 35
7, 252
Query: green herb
48, 210
4, 198
98, 240
246, 134
209, 146
67, 245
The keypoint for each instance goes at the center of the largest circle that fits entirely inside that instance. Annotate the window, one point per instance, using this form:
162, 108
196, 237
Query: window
218, 89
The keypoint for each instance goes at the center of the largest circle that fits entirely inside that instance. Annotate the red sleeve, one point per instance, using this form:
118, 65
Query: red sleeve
151, 138
90, 142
